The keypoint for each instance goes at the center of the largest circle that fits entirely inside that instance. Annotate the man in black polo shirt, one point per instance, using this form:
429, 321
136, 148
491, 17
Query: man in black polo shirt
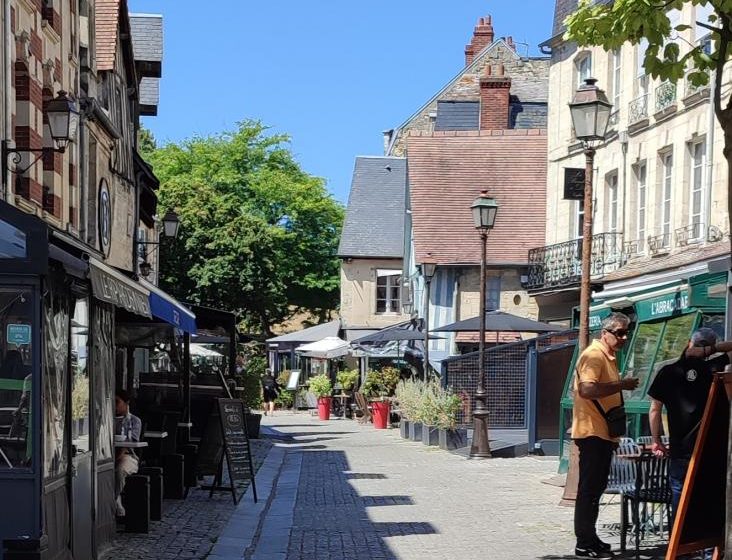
683, 387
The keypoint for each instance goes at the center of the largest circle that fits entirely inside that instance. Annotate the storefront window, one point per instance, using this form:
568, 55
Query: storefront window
640, 357
103, 366
55, 379
13, 243
80, 377
16, 322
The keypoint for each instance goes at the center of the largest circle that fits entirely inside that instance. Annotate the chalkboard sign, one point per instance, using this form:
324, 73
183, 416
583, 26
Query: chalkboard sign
236, 446
700, 520
574, 183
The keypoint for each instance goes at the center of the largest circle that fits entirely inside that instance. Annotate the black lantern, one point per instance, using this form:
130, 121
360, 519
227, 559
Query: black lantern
590, 111
170, 224
484, 210
63, 120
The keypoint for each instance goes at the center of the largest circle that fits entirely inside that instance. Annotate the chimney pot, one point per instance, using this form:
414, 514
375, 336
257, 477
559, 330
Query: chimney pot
482, 37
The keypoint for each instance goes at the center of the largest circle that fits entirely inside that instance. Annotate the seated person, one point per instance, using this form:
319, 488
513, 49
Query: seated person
126, 461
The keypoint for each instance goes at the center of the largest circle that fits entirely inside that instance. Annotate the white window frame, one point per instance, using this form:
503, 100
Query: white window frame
583, 67
667, 189
612, 201
641, 222
642, 79
617, 66
697, 184
579, 218
391, 305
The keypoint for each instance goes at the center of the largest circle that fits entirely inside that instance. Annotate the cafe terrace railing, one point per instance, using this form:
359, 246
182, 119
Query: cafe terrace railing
560, 265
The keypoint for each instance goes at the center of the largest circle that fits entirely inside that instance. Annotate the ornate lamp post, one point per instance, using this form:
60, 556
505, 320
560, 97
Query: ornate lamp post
590, 110
484, 210
428, 271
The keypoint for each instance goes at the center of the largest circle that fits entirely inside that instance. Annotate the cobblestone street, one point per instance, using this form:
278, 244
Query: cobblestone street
189, 527
347, 491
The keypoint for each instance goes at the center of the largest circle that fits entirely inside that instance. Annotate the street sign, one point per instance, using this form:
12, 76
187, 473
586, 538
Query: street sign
18, 334
574, 183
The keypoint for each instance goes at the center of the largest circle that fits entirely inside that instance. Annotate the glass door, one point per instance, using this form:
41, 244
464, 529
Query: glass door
81, 448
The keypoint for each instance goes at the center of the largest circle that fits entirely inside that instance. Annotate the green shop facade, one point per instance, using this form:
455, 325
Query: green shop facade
663, 319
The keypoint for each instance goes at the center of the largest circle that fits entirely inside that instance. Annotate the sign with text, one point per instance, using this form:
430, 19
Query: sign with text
293, 380
666, 305
232, 415
18, 334
120, 291
574, 183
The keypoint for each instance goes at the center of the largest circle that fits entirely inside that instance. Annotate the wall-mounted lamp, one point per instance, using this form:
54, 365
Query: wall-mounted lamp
62, 115
171, 224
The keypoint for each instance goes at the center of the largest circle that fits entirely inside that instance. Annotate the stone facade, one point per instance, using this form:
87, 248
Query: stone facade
513, 298
358, 293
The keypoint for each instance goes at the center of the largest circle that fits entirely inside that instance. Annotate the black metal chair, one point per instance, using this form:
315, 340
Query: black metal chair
652, 487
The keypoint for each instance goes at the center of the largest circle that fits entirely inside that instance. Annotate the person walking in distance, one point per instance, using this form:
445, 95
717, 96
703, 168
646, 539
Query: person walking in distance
597, 390
270, 391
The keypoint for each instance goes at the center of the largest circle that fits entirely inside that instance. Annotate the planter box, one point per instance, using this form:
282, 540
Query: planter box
404, 428
450, 440
253, 421
415, 431
430, 435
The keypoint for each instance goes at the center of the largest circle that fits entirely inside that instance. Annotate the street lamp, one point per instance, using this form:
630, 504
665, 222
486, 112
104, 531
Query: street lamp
170, 229
428, 271
62, 116
484, 210
590, 110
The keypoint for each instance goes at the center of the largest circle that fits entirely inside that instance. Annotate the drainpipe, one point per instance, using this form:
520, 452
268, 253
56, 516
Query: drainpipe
7, 84
711, 122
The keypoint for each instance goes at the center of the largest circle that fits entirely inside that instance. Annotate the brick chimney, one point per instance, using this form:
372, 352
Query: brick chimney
482, 37
494, 99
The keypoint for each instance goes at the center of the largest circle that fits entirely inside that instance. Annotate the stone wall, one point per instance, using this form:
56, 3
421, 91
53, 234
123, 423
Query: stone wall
358, 293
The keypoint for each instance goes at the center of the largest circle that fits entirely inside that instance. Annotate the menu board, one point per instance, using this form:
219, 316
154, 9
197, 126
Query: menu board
232, 415
211, 448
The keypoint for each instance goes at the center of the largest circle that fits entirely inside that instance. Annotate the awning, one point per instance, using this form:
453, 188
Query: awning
329, 347
110, 285
388, 272
167, 308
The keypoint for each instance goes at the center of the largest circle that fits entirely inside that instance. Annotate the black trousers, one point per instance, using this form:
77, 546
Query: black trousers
595, 455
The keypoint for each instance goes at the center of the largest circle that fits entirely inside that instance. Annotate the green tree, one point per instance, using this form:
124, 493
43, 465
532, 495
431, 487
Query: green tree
258, 235
609, 25
146, 143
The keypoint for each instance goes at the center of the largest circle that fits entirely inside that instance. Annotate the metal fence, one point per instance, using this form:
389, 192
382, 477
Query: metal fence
507, 379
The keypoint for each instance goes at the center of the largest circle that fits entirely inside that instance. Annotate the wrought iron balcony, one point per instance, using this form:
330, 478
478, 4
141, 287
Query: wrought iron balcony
638, 109
693, 233
659, 244
665, 96
560, 265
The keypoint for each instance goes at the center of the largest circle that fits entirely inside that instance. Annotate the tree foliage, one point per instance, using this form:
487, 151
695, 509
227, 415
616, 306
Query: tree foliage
258, 235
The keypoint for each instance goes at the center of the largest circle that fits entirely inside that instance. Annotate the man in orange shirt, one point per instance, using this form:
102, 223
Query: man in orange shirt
597, 385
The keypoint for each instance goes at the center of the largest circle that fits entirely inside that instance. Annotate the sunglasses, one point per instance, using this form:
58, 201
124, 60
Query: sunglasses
619, 333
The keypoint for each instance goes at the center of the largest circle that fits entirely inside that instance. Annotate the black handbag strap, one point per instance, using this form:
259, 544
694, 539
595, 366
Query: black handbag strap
595, 401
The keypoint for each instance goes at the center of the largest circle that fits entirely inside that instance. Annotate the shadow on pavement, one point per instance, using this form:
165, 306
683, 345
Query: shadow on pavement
337, 512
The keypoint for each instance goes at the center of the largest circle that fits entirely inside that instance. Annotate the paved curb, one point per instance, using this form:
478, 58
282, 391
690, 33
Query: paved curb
241, 530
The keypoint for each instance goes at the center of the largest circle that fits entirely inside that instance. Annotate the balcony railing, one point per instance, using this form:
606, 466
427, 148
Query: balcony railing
693, 233
560, 265
638, 109
658, 244
665, 96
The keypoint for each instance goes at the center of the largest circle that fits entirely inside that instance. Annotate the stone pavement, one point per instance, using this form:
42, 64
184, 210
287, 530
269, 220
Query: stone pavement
339, 490
189, 527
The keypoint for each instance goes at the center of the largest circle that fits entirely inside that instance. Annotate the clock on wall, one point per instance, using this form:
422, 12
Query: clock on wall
105, 217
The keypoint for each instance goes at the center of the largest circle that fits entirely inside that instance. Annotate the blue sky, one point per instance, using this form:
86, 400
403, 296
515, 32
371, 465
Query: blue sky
331, 74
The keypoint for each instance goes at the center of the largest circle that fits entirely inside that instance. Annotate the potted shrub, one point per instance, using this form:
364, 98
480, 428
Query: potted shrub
450, 437
250, 379
378, 387
285, 399
321, 387
347, 379
428, 412
407, 395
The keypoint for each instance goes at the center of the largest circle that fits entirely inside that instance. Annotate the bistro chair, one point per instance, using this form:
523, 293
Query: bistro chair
362, 406
652, 488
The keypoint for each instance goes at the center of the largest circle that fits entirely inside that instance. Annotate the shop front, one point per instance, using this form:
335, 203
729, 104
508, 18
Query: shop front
663, 319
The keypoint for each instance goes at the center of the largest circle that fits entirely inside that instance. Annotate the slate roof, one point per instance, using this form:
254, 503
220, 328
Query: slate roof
106, 26
447, 170
147, 36
312, 334
149, 91
374, 224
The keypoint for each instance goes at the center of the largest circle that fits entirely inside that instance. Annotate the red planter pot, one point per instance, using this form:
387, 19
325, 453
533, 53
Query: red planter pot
381, 414
324, 408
